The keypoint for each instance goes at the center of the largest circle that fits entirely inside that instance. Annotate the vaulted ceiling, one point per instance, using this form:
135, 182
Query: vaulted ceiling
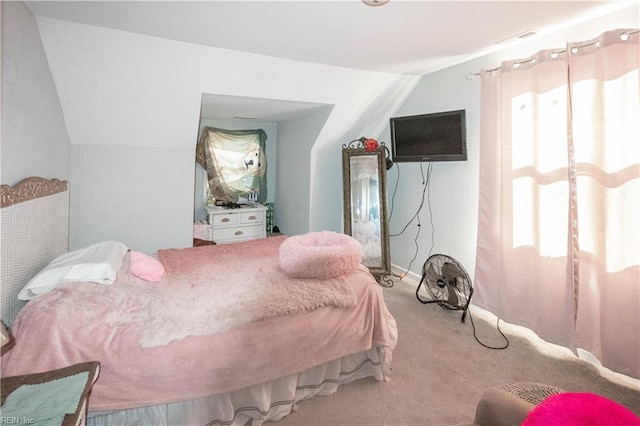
402, 36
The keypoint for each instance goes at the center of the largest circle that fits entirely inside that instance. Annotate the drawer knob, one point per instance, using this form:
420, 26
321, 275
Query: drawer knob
252, 218
225, 219
238, 232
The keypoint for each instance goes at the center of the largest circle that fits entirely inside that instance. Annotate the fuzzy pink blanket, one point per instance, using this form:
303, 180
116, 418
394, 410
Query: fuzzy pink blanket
221, 282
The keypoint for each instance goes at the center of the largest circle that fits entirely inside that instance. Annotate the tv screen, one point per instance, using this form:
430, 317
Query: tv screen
438, 136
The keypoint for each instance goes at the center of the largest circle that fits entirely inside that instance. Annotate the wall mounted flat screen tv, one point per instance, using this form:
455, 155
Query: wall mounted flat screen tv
438, 136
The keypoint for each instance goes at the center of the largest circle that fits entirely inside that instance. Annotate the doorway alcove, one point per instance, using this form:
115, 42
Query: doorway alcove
292, 128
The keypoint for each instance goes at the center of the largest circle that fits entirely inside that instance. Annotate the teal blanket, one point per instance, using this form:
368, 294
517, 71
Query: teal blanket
45, 403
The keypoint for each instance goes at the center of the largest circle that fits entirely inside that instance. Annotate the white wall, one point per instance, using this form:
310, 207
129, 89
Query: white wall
370, 116
120, 90
454, 186
34, 137
103, 177
297, 137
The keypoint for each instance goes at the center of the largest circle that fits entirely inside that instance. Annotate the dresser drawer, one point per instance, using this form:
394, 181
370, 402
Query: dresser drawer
238, 232
252, 217
225, 219
233, 225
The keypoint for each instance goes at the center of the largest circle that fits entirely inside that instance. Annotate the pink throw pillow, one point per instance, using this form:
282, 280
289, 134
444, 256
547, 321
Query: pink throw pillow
320, 255
580, 409
145, 267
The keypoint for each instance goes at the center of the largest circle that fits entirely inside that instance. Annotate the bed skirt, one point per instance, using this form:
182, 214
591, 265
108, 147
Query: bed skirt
270, 401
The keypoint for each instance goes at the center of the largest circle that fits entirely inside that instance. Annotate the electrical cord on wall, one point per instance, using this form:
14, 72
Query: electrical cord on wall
425, 196
425, 184
393, 196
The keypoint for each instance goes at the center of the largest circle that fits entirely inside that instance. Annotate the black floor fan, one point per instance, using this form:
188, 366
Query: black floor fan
447, 282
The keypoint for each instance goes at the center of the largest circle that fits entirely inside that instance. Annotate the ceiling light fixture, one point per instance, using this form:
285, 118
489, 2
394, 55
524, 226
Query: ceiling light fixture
375, 3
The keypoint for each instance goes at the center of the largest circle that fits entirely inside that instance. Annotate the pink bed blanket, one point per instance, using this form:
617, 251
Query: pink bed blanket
154, 341
234, 285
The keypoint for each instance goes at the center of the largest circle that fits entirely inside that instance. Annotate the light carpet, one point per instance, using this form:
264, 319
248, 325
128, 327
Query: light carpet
439, 371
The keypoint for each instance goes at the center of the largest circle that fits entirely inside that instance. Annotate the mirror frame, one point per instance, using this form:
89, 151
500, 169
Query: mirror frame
356, 149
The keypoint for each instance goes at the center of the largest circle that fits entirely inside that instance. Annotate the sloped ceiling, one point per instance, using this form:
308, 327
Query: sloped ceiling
402, 36
406, 37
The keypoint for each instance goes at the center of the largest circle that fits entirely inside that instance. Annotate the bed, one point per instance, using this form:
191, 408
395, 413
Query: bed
220, 335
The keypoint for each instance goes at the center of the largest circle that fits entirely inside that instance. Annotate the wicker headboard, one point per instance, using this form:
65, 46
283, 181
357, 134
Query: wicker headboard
35, 230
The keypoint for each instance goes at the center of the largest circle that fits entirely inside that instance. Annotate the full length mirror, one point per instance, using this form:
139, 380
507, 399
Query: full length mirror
365, 206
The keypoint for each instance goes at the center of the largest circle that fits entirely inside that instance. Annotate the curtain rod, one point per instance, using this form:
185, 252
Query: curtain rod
554, 54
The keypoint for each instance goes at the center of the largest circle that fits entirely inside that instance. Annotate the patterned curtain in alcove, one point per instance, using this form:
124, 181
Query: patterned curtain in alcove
236, 163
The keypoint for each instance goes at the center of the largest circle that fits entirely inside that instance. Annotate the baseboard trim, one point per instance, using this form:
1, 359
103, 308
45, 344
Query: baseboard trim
410, 277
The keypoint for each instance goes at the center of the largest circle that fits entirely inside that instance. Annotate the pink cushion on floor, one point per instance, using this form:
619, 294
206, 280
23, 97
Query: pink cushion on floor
145, 267
580, 409
320, 255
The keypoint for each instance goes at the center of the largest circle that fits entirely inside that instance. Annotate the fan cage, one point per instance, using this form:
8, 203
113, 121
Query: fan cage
442, 275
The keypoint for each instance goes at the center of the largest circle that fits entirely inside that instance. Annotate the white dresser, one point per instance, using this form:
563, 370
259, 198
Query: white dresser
240, 224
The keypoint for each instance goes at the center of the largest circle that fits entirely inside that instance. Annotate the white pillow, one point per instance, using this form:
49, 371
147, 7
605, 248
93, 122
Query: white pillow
97, 263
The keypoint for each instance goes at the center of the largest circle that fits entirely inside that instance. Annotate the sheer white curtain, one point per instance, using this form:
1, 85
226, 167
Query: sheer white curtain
558, 239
